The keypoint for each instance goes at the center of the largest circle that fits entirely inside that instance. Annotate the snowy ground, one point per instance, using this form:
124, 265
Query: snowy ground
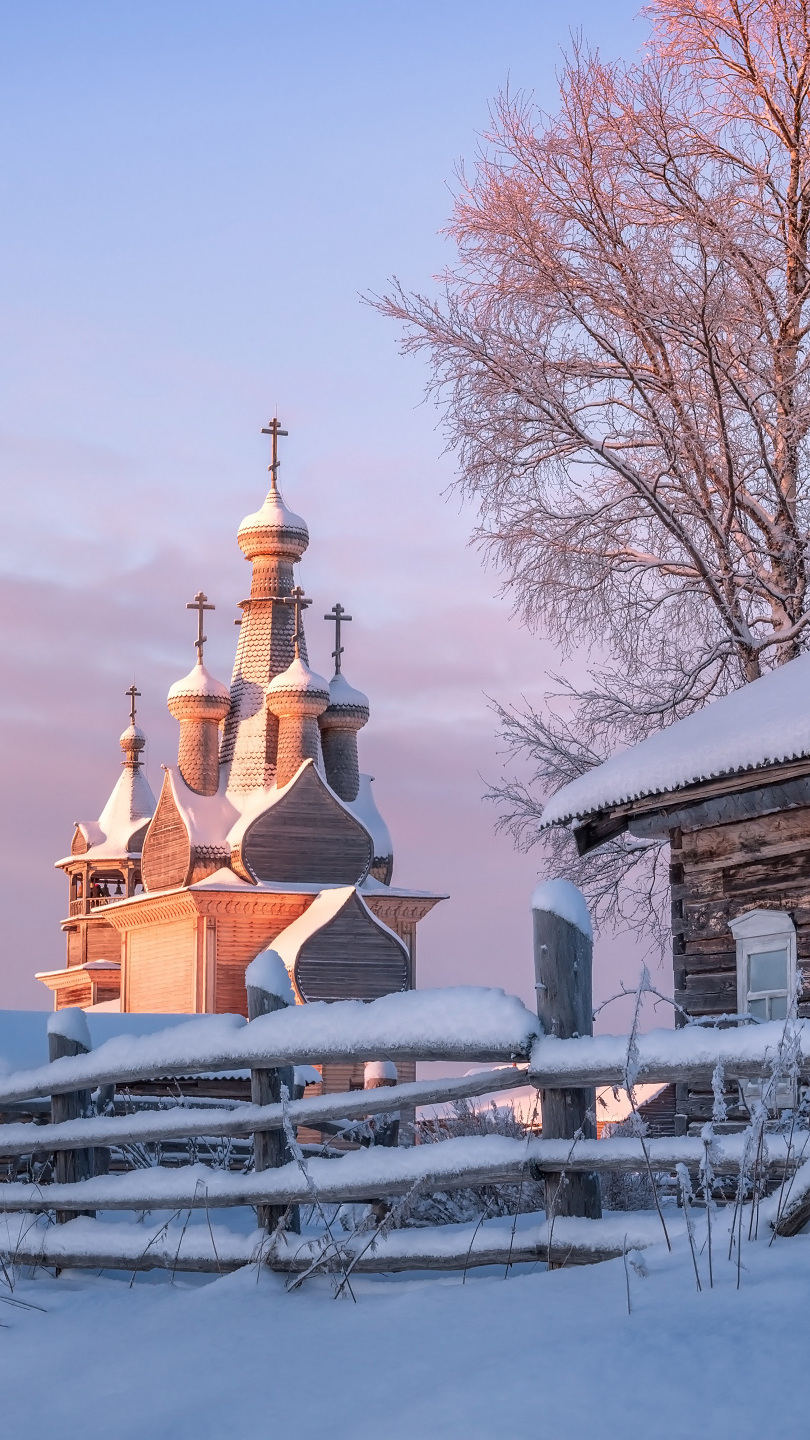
537, 1354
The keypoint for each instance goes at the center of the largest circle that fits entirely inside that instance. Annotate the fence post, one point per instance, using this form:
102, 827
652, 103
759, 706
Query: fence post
269, 989
377, 1075
68, 1034
563, 972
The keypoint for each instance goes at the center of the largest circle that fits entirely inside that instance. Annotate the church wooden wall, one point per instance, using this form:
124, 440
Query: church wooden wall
716, 874
238, 941
103, 943
161, 967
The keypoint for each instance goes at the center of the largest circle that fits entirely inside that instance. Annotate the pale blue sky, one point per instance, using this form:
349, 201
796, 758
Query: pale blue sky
193, 197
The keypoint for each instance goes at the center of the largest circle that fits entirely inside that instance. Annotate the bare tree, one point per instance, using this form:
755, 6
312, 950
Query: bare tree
621, 351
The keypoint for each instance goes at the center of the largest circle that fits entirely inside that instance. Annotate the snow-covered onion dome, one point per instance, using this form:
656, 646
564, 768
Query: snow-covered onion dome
198, 686
199, 702
273, 530
300, 686
346, 713
297, 697
132, 742
345, 701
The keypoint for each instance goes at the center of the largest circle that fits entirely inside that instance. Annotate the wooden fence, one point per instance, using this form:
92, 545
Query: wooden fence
93, 1159
464, 1024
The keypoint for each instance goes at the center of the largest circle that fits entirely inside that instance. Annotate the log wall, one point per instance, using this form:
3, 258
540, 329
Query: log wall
718, 872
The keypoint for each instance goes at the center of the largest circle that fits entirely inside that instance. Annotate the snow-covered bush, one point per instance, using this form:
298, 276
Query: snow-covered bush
453, 1206
627, 1189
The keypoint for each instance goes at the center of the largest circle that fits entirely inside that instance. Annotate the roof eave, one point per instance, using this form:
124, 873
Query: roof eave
653, 816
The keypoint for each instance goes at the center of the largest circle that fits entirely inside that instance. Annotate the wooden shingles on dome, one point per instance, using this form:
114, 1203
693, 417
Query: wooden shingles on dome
305, 835
340, 950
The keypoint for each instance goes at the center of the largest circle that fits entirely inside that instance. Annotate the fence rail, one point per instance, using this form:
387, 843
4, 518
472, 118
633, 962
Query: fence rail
467, 1024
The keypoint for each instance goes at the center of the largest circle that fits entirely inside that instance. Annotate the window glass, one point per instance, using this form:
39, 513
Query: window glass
779, 1007
769, 971
758, 1008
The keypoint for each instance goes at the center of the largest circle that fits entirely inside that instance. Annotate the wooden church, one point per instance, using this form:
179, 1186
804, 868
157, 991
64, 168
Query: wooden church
264, 832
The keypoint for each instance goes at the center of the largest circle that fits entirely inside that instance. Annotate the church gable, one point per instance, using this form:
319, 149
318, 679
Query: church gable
339, 950
166, 860
306, 836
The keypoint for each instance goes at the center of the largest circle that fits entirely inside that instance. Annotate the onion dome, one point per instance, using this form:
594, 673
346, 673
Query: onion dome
273, 530
345, 703
198, 696
297, 690
132, 742
297, 697
346, 713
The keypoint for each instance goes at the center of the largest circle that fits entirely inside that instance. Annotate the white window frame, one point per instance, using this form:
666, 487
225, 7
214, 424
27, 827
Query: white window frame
758, 930
753, 932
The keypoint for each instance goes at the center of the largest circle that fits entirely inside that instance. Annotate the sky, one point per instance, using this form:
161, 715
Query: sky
195, 197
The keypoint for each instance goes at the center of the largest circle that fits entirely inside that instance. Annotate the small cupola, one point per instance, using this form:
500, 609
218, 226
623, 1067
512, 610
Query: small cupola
200, 703
297, 697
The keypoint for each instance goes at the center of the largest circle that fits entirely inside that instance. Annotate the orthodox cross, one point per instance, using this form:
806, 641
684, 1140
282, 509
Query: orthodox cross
274, 430
133, 696
338, 614
297, 599
199, 603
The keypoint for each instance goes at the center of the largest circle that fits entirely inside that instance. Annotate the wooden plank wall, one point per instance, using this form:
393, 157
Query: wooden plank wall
716, 874
238, 941
161, 967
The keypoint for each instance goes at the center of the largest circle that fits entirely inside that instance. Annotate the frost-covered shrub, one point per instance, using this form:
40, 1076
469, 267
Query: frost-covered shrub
627, 1189
453, 1206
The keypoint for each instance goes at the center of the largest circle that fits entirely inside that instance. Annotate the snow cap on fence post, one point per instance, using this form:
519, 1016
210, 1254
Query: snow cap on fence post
69, 1024
268, 974
560, 897
377, 1073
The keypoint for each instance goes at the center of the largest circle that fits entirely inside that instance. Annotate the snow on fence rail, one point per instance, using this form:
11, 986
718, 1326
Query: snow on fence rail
179, 1123
378, 1172
467, 1024
691, 1053
95, 1244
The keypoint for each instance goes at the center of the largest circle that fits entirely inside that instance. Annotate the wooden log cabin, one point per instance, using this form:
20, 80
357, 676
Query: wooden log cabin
265, 831
729, 789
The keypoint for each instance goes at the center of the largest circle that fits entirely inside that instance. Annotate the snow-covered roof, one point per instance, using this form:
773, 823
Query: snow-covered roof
764, 723
208, 818
326, 905
364, 808
130, 805
24, 1033
199, 681
321, 912
248, 807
